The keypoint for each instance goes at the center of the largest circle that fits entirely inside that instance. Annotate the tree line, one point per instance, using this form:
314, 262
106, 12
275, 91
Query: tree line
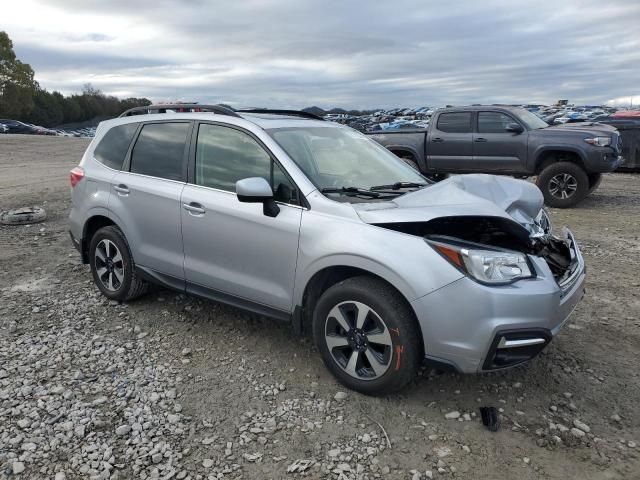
22, 98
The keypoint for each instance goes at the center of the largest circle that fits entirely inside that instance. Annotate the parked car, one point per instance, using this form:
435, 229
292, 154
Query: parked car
15, 126
311, 222
513, 141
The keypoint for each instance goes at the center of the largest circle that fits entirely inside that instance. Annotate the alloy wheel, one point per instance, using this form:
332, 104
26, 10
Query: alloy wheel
563, 185
358, 340
109, 265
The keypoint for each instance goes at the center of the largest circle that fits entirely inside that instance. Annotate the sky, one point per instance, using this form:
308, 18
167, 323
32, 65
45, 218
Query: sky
350, 54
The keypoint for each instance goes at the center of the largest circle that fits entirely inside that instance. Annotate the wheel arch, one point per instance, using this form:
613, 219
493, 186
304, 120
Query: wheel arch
327, 276
548, 155
91, 226
402, 151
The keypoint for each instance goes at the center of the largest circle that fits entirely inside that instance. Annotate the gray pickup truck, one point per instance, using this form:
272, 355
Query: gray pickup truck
568, 162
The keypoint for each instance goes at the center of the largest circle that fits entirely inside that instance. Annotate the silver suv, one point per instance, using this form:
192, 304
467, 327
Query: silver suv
311, 222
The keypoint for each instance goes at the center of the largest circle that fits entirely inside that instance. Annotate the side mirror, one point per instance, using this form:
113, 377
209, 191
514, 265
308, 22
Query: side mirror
257, 190
515, 128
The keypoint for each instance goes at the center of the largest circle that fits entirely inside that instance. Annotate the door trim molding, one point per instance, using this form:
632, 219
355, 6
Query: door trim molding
180, 285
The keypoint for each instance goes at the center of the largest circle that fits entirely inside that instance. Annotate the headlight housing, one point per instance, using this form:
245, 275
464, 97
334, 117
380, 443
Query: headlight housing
486, 265
599, 141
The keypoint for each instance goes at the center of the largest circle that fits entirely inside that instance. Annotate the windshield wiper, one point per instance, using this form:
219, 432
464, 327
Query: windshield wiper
398, 186
351, 191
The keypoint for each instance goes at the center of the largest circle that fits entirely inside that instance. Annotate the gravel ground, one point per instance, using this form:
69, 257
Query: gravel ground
171, 386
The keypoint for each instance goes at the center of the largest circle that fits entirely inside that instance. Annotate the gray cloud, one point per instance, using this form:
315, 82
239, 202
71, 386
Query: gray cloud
293, 53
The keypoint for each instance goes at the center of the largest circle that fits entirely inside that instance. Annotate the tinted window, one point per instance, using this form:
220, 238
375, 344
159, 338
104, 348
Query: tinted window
159, 150
455, 122
493, 122
114, 145
225, 155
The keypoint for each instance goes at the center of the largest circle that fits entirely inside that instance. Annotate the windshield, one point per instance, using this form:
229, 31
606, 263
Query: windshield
337, 157
531, 120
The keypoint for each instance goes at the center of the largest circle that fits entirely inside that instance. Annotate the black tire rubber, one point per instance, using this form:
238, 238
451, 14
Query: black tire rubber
411, 162
23, 216
132, 286
407, 352
563, 167
594, 181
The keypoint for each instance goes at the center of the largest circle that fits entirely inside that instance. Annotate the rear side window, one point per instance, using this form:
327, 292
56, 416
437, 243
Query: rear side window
455, 122
114, 145
159, 150
493, 122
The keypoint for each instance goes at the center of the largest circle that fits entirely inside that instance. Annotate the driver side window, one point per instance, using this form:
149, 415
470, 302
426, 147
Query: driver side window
225, 155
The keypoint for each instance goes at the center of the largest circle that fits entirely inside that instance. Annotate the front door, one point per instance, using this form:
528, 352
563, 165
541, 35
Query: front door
232, 250
495, 148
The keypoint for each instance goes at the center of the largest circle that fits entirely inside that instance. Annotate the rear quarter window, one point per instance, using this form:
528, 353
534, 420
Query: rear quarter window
114, 145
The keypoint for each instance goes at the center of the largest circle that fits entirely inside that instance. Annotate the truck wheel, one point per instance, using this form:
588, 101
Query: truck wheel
367, 335
563, 184
411, 162
594, 181
112, 266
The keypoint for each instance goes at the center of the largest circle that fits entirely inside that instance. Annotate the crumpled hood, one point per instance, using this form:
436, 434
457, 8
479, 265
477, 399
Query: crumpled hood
461, 195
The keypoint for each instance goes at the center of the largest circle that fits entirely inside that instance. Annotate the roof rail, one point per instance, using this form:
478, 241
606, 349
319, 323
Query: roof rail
293, 113
179, 107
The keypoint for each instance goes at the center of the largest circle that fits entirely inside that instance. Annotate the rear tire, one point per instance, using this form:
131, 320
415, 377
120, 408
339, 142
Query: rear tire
411, 162
594, 181
367, 335
563, 184
112, 266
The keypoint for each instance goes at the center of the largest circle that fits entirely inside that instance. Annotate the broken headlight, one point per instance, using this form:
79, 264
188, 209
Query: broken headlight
485, 265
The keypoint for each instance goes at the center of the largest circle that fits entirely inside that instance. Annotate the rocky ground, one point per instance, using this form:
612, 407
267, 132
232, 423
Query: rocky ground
171, 386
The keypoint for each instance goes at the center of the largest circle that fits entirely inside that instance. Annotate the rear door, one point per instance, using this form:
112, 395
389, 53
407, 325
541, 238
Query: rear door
146, 196
450, 142
495, 148
233, 251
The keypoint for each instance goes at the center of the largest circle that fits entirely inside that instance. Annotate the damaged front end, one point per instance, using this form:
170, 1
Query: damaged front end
493, 250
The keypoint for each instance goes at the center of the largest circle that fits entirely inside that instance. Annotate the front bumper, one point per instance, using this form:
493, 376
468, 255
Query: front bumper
475, 327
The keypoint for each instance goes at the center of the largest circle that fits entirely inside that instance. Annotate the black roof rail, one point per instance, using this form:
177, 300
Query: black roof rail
180, 107
293, 113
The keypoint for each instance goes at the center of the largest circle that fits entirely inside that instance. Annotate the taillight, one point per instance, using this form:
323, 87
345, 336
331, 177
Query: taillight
75, 176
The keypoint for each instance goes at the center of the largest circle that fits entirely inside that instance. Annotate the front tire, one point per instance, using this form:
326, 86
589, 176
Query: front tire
112, 266
367, 335
563, 184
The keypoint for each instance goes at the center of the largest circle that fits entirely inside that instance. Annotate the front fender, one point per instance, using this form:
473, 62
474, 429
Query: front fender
403, 260
540, 151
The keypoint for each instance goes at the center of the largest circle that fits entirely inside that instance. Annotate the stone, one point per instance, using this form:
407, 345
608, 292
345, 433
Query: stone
582, 426
452, 415
17, 468
123, 430
576, 432
339, 396
366, 438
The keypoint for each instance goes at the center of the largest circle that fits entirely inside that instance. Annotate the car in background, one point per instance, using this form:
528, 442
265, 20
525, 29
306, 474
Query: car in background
16, 126
4, 128
499, 139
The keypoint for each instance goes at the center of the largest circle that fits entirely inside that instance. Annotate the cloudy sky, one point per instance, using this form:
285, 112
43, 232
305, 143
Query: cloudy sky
358, 54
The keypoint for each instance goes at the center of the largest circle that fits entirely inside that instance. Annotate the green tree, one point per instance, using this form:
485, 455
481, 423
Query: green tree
17, 85
47, 109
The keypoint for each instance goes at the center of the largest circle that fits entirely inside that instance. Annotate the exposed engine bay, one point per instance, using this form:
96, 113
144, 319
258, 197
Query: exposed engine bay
498, 232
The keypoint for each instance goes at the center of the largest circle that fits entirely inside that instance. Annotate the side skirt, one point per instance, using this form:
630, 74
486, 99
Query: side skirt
182, 286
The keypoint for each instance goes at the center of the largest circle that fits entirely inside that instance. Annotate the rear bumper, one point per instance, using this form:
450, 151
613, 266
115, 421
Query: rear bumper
475, 328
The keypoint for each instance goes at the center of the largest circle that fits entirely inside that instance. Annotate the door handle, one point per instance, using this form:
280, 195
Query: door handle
480, 140
194, 209
437, 140
121, 189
